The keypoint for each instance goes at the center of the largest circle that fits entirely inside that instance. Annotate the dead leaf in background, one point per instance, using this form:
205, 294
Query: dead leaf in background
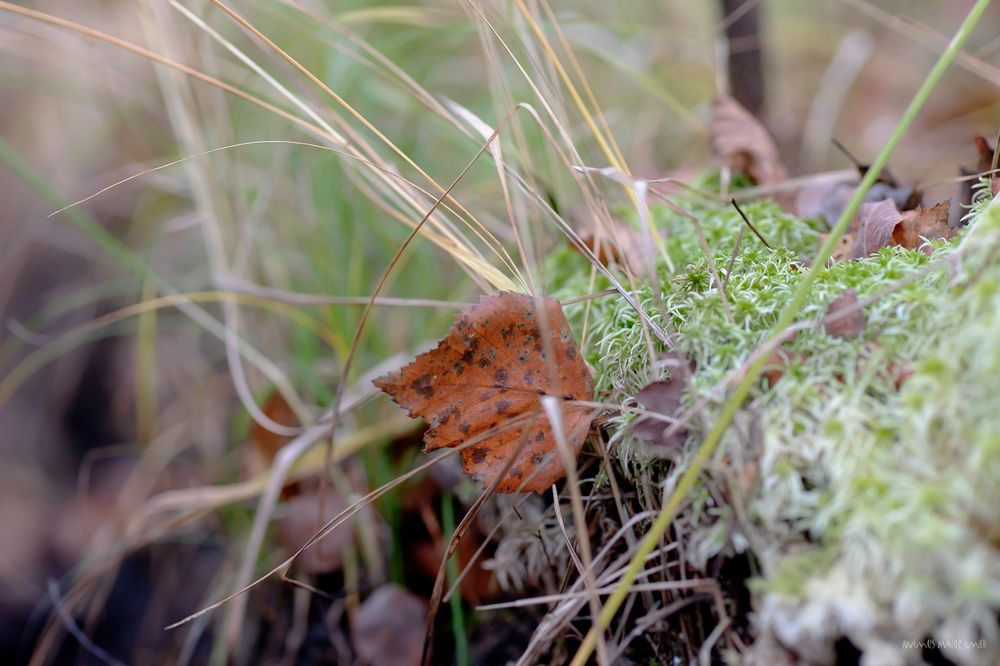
829, 201
623, 246
987, 162
666, 398
490, 369
881, 224
845, 247
740, 141
389, 627
876, 222
849, 324
916, 225
297, 521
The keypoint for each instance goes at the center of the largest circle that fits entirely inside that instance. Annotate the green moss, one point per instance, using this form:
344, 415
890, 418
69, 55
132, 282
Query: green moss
874, 504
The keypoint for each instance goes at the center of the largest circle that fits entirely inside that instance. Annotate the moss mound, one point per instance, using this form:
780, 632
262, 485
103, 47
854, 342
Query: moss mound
863, 482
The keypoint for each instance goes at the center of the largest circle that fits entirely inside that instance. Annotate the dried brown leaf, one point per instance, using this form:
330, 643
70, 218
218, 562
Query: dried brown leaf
666, 398
845, 247
742, 143
491, 369
876, 222
916, 225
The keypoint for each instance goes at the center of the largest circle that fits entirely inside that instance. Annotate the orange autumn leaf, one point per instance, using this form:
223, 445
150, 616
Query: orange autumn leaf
492, 369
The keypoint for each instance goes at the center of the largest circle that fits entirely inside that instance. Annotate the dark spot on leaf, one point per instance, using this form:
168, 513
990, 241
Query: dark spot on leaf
464, 428
503, 406
500, 376
423, 386
479, 454
540, 436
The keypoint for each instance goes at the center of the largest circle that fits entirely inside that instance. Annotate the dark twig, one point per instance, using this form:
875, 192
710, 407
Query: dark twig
752, 228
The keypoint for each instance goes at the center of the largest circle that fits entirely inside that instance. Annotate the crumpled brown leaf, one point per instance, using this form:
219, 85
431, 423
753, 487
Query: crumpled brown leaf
930, 223
881, 224
665, 397
741, 142
876, 222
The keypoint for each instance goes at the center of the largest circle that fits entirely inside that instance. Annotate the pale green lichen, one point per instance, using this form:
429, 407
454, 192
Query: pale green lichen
872, 514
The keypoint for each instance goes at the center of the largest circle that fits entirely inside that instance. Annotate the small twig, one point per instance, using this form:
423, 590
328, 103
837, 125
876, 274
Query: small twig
886, 175
752, 228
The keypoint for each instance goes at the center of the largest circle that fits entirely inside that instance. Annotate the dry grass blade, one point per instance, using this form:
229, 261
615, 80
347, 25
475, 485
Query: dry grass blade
167, 62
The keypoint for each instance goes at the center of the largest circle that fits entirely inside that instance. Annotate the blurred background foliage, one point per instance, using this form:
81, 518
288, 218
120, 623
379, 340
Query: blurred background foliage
96, 420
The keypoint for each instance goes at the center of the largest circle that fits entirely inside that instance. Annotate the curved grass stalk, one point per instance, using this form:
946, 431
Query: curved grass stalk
735, 401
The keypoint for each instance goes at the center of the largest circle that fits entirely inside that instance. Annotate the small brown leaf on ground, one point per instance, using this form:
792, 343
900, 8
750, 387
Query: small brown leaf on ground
876, 223
491, 369
916, 225
850, 320
389, 627
298, 520
881, 224
665, 397
739, 140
